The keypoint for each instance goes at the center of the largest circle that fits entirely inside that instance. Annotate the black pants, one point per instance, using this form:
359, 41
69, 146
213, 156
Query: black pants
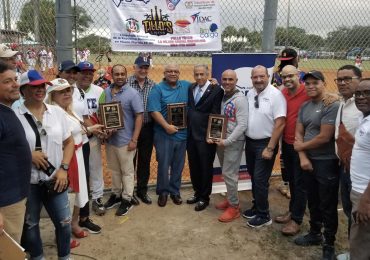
295, 177
322, 185
142, 157
85, 211
345, 192
260, 171
201, 156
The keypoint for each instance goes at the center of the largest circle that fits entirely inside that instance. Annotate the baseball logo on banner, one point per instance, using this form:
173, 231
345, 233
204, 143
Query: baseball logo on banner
164, 25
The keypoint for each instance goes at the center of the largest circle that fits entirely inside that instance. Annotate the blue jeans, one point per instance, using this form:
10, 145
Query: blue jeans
294, 174
345, 192
170, 155
58, 210
260, 171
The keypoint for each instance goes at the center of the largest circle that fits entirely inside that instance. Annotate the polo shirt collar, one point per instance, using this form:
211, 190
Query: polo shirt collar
121, 89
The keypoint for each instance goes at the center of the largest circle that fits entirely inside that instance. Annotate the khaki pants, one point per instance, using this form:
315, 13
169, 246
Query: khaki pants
121, 164
14, 218
359, 241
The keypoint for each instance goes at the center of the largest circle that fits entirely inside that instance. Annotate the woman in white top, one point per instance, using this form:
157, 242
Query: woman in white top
56, 148
60, 93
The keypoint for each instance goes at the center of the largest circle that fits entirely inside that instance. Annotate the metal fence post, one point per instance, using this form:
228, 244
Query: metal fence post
269, 25
64, 17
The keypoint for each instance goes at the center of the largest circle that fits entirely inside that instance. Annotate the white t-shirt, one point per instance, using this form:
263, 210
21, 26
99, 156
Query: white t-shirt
272, 105
57, 128
360, 163
93, 94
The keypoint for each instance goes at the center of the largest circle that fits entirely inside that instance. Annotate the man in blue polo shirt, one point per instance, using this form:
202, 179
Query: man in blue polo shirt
15, 158
121, 145
169, 140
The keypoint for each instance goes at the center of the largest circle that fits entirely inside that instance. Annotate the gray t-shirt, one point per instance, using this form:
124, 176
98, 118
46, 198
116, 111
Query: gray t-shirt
312, 115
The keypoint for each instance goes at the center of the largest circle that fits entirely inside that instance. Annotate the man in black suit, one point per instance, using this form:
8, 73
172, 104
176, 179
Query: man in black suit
204, 99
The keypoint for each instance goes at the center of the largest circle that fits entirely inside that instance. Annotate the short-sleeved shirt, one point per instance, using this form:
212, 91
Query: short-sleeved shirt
261, 120
312, 115
15, 159
57, 128
360, 163
144, 93
294, 103
131, 105
163, 94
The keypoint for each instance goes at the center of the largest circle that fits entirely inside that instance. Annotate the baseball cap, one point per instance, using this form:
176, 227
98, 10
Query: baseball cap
85, 65
140, 61
33, 78
68, 65
314, 74
58, 85
6, 52
288, 54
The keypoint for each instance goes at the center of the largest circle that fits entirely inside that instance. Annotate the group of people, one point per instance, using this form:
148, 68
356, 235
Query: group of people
324, 144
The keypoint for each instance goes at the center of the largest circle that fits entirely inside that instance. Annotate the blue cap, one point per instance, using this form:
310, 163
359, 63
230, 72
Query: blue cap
85, 65
68, 65
32, 78
140, 61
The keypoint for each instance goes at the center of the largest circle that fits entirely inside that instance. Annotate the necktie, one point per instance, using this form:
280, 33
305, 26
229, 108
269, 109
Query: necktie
198, 95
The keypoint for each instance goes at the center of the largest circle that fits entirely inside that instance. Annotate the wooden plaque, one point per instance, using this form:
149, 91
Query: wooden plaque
217, 125
176, 115
111, 115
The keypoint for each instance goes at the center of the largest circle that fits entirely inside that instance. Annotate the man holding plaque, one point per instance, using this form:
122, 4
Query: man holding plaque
267, 110
143, 85
121, 145
169, 136
235, 107
204, 99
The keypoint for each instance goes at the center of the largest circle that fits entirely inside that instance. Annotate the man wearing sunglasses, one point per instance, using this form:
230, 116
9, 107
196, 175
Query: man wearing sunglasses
266, 122
346, 123
360, 177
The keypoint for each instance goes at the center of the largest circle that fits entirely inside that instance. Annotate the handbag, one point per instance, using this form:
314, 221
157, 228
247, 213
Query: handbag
47, 184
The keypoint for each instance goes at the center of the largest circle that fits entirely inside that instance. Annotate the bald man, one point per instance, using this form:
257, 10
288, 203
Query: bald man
235, 107
295, 95
266, 122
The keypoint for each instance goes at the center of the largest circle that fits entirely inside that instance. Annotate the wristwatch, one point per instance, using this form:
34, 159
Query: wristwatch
64, 166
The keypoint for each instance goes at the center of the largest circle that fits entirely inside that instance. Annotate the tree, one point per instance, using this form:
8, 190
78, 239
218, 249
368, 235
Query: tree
95, 43
47, 20
345, 38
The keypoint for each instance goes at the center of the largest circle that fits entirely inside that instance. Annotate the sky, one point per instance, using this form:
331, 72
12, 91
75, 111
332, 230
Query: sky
315, 16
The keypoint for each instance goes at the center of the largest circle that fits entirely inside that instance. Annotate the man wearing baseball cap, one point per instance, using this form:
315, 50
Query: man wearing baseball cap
316, 148
8, 56
88, 94
68, 70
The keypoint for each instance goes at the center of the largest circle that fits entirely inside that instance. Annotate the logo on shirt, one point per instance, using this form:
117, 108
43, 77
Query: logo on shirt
230, 111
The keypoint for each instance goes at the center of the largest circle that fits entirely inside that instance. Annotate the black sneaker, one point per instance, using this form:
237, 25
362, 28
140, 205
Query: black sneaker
249, 213
124, 208
328, 253
310, 239
112, 201
98, 207
258, 222
90, 226
134, 201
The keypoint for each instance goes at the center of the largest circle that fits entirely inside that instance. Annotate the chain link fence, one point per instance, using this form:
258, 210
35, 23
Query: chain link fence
326, 34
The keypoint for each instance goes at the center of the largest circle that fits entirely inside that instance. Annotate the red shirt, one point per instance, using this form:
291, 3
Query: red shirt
294, 103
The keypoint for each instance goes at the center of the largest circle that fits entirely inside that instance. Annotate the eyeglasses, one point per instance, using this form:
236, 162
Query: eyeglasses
42, 130
172, 71
345, 80
363, 93
287, 76
256, 103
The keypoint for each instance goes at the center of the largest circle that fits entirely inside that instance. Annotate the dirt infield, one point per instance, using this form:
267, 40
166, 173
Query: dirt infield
178, 232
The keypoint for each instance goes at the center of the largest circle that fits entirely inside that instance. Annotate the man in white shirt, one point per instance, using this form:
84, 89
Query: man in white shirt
346, 123
266, 122
360, 177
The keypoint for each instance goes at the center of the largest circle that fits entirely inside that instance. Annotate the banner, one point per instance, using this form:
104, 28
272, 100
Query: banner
242, 63
164, 25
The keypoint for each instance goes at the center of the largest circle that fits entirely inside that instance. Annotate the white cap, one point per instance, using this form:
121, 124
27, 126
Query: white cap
6, 52
58, 85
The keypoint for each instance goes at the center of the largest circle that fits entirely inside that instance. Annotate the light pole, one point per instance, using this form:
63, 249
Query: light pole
287, 25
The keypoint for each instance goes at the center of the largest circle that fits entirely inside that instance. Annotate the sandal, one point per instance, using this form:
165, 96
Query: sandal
74, 243
80, 234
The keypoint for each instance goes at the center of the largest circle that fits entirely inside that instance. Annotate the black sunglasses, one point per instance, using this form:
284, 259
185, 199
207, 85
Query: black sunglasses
256, 103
